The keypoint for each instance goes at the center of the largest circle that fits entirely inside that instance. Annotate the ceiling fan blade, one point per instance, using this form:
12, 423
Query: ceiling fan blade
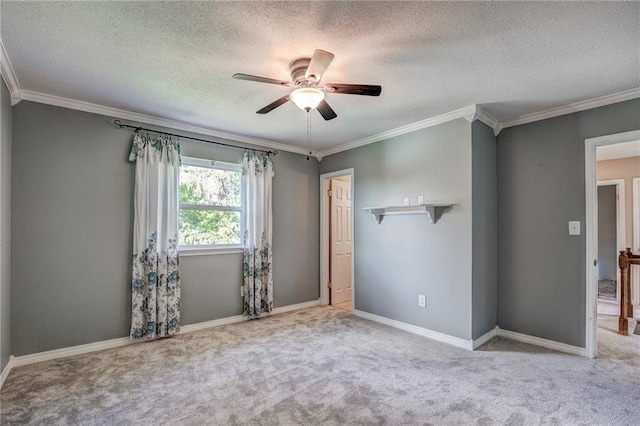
248, 77
318, 65
326, 111
273, 105
354, 89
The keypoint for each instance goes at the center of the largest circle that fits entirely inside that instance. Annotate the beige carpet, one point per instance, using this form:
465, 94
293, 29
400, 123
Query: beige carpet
345, 306
323, 366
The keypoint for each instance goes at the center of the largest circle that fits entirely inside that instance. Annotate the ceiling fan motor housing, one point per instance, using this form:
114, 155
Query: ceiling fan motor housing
298, 70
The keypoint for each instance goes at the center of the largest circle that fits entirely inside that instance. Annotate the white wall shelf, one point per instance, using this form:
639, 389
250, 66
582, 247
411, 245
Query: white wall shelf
433, 210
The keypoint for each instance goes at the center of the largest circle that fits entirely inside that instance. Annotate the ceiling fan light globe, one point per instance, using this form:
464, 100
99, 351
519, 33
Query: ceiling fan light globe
307, 98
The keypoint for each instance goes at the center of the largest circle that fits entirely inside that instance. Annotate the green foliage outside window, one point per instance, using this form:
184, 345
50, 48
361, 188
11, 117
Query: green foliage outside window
204, 186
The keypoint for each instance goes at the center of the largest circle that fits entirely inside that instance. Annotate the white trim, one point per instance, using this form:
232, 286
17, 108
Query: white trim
475, 112
9, 76
210, 207
124, 341
490, 121
544, 343
620, 221
324, 235
43, 98
190, 328
207, 251
575, 107
210, 164
435, 335
485, 338
296, 307
6, 371
20, 361
636, 236
469, 113
429, 122
591, 226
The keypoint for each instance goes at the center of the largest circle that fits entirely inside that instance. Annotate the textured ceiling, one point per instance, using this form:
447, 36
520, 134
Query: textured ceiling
176, 59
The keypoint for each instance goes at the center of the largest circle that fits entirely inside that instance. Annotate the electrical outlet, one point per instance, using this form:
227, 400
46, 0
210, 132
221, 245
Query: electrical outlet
241, 291
420, 199
422, 301
406, 201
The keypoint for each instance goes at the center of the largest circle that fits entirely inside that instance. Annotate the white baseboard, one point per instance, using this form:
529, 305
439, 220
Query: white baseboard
239, 318
6, 371
213, 323
123, 341
485, 338
538, 341
435, 335
296, 307
20, 361
472, 345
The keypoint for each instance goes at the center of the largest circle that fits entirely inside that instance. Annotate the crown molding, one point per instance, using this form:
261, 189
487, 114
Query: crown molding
135, 117
469, 113
475, 112
429, 122
9, 76
575, 107
490, 121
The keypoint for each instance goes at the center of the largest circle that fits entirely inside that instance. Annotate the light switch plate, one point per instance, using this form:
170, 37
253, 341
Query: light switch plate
406, 201
422, 301
420, 199
574, 227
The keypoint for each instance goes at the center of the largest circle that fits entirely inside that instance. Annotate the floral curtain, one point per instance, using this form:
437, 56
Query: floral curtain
155, 284
257, 264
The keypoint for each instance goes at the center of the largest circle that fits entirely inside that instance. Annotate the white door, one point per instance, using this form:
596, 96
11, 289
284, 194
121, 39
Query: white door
341, 236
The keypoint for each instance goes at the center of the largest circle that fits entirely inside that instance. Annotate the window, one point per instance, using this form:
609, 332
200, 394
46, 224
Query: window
210, 204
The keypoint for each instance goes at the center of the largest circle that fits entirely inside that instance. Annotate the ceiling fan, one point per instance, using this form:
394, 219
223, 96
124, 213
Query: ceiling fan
306, 74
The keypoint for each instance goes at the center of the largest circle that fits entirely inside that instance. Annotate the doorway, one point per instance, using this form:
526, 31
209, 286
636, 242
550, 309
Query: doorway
594, 146
611, 238
337, 243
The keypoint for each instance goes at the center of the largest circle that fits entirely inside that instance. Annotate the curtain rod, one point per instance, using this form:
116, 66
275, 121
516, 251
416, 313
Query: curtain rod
138, 128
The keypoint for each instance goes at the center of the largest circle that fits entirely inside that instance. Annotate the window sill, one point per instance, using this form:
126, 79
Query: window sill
206, 251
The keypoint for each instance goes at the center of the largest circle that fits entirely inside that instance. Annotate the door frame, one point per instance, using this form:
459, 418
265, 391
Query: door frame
636, 235
620, 220
591, 225
324, 235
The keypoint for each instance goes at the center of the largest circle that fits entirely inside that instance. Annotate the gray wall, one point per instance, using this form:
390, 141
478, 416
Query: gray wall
607, 233
72, 209
485, 230
541, 186
5, 226
408, 255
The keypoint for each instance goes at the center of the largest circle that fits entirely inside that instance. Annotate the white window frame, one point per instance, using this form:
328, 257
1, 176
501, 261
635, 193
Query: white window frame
194, 250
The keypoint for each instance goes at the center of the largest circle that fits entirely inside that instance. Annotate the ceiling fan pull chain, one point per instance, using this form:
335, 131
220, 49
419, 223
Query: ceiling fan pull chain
308, 133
